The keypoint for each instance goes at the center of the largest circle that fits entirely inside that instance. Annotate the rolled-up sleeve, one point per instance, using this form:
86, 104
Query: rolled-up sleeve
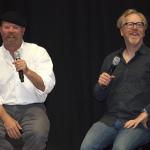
1, 100
44, 68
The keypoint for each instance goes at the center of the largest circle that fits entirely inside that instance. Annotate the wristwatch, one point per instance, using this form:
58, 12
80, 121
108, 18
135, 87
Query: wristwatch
144, 110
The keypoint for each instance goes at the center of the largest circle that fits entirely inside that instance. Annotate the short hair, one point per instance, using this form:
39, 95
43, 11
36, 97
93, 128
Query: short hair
128, 12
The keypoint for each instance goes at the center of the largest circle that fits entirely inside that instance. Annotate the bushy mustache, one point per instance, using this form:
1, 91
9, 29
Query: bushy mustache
11, 35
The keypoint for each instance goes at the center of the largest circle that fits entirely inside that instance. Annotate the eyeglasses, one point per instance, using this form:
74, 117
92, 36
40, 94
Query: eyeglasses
130, 25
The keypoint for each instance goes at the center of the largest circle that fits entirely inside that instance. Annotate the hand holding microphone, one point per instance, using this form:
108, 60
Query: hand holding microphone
106, 77
20, 65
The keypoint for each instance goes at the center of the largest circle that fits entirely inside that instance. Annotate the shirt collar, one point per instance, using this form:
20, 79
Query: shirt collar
7, 51
142, 50
6, 54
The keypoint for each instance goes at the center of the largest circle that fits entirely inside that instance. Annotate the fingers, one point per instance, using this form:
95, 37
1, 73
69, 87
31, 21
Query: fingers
105, 79
20, 64
145, 123
14, 132
131, 124
18, 125
135, 123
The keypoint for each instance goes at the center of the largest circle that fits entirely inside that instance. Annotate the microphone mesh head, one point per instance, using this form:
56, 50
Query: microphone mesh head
16, 55
116, 60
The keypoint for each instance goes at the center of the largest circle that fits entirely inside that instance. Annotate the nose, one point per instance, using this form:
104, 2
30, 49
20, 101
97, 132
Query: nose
11, 29
135, 26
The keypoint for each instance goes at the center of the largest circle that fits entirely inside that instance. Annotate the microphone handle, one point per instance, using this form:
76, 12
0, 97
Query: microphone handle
20, 72
111, 69
21, 76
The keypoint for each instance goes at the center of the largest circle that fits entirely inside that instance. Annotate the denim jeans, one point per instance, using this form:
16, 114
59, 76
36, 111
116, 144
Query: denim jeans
100, 136
34, 123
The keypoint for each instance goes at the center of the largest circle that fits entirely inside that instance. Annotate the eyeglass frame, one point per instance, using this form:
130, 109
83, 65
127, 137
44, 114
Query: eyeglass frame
130, 25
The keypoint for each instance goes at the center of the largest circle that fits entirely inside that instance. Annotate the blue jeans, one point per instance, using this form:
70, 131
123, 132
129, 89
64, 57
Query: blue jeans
34, 123
100, 136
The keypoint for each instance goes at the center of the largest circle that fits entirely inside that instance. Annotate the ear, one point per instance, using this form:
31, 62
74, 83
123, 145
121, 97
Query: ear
23, 30
121, 32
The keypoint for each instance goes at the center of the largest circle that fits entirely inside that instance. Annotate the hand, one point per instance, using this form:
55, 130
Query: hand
105, 79
142, 118
12, 127
20, 64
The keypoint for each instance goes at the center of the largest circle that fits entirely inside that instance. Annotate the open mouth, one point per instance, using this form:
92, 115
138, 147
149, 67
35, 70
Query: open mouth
11, 36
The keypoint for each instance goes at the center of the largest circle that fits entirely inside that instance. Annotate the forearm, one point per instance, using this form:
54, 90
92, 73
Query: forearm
141, 118
35, 79
11, 125
3, 113
100, 92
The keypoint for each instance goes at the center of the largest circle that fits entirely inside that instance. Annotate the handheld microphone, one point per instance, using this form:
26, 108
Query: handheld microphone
114, 64
20, 72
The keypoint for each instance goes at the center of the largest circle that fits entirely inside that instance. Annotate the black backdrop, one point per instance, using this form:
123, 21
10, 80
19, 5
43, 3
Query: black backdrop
77, 34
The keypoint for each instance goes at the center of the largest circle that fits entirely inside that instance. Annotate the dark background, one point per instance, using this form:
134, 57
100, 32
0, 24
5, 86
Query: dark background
77, 34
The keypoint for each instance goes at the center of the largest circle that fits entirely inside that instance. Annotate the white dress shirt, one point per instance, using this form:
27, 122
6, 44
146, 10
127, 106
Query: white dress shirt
15, 92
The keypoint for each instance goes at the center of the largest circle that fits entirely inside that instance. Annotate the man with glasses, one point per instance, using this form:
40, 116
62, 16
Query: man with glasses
126, 89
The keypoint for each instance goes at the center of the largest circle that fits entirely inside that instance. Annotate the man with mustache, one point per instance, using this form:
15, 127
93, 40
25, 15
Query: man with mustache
22, 96
125, 124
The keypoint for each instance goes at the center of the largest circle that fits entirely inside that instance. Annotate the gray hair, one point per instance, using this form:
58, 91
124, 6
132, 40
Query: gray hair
128, 12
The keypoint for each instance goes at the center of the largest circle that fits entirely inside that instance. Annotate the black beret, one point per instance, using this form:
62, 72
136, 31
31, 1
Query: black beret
13, 17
